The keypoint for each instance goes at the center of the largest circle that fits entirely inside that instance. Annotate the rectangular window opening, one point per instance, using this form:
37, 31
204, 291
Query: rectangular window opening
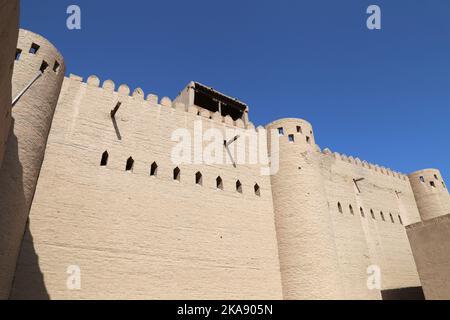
56, 66
291, 138
34, 48
44, 66
18, 53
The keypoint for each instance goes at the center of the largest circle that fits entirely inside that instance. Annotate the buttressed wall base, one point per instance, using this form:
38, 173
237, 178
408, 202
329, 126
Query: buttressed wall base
89, 166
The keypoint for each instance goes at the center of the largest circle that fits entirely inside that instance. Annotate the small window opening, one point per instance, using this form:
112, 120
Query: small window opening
339, 207
436, 177
299, 129
257, 190
291, 138
198, 179
34, 48
351, 209
362, 212
382, 215
130, 164
372, 214
308, 139
432, 184
44, 66
153, 169
56, 66
281, 131
400, 219
18, 53
104, 160
219, 183
422, 179
392, 218
238, 186
176, 174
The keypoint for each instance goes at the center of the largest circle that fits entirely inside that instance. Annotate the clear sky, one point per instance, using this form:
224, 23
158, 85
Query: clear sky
380, 95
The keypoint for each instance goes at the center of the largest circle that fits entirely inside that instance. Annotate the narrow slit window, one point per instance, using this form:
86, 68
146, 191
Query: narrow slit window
340, 207
176, 174
372, 214
392, 218
308, 139
257, 190
238, 186
400, 219
44, 66
34, 48
351, 209
219, 183
56, 66
436, 177
362, 212
382, 216
18, 53
130, 164
281, 131
432, 184
422, 179
291, 138
104, 160
299, 129
198, 179
153, 169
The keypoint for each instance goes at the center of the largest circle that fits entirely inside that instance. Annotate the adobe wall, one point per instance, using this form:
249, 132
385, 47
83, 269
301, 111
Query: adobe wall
361, 240
318, 244
430, 243
308, 257
9, 30
431, 193
32, 117
138, 236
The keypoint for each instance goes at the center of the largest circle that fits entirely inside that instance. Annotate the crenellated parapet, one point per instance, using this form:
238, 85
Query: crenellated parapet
357, 162
124, 93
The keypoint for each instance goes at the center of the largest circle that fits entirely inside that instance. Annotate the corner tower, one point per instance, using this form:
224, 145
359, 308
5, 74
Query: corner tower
36, 84
431, 193
308, 258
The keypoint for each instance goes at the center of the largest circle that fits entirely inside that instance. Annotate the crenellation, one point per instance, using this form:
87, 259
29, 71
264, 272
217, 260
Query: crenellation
310, 230
109, 85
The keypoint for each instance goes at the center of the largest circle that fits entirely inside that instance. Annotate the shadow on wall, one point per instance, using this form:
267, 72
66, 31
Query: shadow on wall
13, 217
29, 279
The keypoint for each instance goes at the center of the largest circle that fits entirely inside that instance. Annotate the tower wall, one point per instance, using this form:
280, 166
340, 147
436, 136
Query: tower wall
32, 116
431, 193
137, 236
9, 29
364, 242
308, 257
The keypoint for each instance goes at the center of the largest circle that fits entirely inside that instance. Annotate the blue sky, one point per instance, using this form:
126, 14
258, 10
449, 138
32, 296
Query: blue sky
382, 95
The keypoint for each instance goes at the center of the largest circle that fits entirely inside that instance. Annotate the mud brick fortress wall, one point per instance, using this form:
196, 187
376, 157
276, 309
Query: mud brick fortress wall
80, 187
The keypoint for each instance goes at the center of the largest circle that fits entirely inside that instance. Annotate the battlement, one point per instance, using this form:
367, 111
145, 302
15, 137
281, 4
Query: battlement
365, 164
138, 94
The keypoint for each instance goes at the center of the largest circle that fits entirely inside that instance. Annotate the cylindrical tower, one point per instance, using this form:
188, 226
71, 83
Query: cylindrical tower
308, 258
431, 193
37, 79
9, 29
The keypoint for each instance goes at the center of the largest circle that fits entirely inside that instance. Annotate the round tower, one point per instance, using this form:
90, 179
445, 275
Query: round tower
36, 83
308, 258
431, 193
